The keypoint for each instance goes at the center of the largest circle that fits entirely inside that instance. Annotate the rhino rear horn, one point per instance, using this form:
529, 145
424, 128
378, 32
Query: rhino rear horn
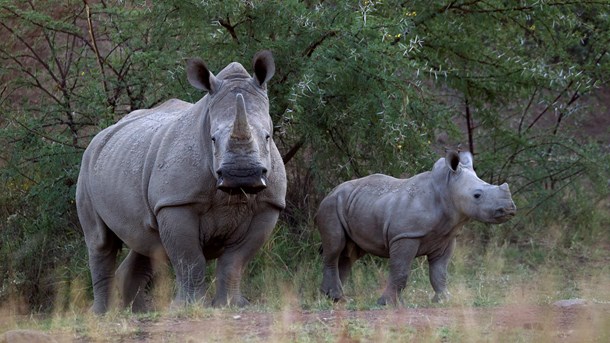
264, 67
200, 76
241, 128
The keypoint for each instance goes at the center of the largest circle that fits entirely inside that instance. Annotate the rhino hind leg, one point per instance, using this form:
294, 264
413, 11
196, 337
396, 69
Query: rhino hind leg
102, 262
103, 247
133, 276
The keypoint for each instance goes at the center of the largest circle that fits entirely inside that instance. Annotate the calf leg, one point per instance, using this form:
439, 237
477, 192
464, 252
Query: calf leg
438, 272
133, 275
333, 244
402, 253
351, 253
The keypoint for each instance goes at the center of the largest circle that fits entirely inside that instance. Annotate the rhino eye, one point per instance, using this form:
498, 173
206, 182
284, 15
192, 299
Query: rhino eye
477, 195
213, 139
267, 137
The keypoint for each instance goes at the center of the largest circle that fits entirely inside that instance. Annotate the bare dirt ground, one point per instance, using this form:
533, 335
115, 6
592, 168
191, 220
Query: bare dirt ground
567, 321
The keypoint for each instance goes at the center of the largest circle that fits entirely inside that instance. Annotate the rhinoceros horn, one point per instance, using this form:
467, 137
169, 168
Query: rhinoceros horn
241, 128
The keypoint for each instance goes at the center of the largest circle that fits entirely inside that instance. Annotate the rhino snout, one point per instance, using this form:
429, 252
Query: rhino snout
237, 180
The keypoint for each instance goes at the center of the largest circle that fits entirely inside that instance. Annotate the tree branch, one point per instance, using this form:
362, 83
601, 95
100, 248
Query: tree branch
312, 47
95, 48
295, 148
549, 106
47, 137
231, 28
469, 126
525, 110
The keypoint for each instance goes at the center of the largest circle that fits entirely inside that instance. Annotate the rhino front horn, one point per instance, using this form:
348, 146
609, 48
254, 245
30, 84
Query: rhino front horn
241, 128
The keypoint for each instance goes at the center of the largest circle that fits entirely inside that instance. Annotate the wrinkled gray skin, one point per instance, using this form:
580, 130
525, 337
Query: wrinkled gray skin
403, 219
188, 182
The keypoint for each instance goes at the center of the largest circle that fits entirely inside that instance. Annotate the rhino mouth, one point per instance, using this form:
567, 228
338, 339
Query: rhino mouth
242, 188
239, 181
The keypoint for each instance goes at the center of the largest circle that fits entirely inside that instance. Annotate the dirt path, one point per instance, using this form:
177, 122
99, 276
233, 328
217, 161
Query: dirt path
571, 321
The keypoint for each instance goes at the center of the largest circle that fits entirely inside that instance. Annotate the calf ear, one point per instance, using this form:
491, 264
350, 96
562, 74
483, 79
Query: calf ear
200, 77
264, 67
452, 160
466, 160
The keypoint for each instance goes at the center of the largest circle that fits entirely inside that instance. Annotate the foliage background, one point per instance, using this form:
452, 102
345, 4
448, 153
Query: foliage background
360, 87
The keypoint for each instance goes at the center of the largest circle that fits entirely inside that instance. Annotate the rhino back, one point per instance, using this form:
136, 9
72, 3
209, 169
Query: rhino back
121, 161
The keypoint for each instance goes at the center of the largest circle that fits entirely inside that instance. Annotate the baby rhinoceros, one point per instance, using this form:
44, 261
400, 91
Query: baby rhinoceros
403, 219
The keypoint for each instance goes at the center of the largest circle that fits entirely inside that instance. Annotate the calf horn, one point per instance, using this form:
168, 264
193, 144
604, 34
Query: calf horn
241, 128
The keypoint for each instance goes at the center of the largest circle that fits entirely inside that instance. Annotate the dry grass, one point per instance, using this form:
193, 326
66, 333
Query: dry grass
487, 305
501, 292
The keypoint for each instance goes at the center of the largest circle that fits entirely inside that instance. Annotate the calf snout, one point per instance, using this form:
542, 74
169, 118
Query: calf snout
251, 179
503, 214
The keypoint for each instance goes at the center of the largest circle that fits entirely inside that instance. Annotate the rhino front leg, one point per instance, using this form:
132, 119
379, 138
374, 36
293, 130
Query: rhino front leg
231, 264
402, 253
438, 273
229, 270
179, 232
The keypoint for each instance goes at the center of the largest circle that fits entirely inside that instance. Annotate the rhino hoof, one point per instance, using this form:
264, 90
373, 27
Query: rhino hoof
340, 300
224, 302
335, 296
383, 301
441, 297
241, 302
389, 301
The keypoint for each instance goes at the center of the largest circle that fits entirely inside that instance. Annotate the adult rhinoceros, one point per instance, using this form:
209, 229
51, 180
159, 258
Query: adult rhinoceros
405, 218
191, 182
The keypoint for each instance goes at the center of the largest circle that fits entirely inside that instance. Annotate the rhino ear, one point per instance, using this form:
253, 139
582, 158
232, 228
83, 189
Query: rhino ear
452, 160
264, 67
200, 77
